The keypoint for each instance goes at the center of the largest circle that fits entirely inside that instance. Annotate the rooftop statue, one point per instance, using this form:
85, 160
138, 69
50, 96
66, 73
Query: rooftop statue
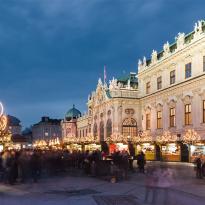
180, 40
198, 29
140, 64
166, 48
128, 84
154, 56
113, 84
99, 81
144, 61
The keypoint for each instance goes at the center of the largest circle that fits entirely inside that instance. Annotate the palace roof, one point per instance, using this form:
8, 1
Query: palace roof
73, 113
130, 77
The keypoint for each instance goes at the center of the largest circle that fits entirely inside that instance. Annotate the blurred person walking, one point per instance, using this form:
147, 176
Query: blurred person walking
141, 161
198, 168
151, 181
35, 165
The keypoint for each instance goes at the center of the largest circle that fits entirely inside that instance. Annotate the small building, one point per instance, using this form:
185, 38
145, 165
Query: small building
46, 129
14, 125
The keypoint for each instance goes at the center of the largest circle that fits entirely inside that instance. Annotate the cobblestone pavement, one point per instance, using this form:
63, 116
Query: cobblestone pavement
92, 191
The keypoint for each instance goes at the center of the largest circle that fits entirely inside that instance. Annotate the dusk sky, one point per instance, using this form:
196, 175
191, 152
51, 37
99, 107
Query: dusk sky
52, 52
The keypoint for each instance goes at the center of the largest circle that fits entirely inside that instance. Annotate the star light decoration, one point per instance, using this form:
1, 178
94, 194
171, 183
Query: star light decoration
3, 118
191, 137
166, 137
5, 135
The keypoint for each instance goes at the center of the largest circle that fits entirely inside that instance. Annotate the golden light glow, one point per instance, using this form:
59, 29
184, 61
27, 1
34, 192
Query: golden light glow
40, 143
3, 118
191, 137
166, 137
54, 142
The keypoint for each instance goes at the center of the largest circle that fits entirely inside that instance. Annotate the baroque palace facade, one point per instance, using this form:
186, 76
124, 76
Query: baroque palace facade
160, 109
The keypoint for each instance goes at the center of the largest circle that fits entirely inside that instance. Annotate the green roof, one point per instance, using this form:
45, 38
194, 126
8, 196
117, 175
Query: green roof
132, 77
73, 113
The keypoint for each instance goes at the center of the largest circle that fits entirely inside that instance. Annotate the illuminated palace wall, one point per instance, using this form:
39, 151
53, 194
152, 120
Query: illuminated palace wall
170, 94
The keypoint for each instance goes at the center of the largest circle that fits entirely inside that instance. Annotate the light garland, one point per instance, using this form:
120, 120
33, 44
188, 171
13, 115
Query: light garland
191, 136
166, 137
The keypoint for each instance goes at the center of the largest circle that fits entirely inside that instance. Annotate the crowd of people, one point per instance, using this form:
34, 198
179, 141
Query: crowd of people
24, 165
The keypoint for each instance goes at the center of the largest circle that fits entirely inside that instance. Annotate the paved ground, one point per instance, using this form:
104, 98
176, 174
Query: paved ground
91, 191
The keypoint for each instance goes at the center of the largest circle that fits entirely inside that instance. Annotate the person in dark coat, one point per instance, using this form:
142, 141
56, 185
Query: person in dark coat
203, 169
198, 168
141, 161
12, 165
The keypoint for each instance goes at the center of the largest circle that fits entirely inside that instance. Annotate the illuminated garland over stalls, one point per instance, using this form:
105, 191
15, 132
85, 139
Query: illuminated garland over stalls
166, 137
191, 137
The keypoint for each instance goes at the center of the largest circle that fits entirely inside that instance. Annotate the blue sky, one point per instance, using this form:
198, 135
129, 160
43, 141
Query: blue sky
52, 52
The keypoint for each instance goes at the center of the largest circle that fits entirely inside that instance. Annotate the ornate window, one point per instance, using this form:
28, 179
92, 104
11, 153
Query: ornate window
159, 119
159, 83
148, 125
101, 131
203, 111
188, 119
172, 117
129, 127
109, 128
148, 86
172, 77
188, 70
95, 130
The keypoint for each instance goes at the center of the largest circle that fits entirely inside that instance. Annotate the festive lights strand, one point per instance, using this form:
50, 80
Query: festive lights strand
166, 137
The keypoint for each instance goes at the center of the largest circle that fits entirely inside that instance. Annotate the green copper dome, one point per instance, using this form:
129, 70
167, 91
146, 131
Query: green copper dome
73, 113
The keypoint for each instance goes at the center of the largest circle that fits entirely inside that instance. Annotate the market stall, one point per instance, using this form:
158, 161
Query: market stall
118, 147
74, 147
148, 149
92, 147
169, 147
197, 150
171, 152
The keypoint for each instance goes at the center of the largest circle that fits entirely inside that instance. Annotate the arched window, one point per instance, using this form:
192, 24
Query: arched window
101, 131
109, 128
95, 130
129, 127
